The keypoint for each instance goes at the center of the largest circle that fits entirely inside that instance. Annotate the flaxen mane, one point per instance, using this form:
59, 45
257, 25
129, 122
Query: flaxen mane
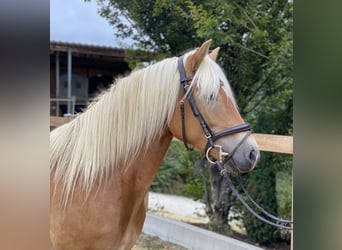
133, 112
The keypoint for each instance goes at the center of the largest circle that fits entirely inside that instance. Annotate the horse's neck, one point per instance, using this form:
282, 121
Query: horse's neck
145, 167
134, 186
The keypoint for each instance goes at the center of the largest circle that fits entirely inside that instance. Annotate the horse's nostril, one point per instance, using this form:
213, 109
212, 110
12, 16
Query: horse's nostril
252, 155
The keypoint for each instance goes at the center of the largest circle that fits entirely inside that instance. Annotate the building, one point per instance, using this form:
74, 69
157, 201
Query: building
79, 71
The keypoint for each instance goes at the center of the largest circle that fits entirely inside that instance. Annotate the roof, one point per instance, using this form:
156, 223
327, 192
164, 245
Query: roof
87, 50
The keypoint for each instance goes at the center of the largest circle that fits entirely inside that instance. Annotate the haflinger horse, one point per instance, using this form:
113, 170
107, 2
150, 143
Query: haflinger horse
103, 162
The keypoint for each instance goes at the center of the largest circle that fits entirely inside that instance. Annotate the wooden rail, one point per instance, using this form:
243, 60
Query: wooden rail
56, 121
270, 143
275, 143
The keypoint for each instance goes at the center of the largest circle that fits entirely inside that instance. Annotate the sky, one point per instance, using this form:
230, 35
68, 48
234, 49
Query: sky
78, 21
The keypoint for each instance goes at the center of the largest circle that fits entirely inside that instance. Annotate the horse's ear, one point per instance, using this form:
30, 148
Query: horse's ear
195, 60
213, 54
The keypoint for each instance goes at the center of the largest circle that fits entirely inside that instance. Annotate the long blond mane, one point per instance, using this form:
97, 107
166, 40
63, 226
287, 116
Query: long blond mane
133, 112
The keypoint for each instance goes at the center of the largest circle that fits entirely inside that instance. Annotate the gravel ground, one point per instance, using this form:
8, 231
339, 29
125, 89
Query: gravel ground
180, 207
183, 209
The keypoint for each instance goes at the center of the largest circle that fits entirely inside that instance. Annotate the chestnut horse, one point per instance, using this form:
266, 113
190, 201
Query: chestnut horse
103, 162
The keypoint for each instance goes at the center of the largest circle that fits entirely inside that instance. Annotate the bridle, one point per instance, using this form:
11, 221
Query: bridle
209, 134
224, 157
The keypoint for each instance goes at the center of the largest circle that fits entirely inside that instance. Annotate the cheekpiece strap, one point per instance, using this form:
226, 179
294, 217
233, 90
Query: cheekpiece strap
181, 69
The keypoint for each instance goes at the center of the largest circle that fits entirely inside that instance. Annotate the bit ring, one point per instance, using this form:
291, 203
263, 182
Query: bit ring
221, 153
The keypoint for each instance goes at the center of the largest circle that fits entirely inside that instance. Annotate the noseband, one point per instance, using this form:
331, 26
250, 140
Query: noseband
224, 157
209, 134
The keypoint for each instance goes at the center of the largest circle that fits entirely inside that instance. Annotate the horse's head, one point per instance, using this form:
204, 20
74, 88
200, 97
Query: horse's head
206, 115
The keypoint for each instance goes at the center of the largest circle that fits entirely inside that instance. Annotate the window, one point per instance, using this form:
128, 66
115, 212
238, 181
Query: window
79, 86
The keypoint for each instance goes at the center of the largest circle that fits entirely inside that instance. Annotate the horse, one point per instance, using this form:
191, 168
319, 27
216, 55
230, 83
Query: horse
103, 162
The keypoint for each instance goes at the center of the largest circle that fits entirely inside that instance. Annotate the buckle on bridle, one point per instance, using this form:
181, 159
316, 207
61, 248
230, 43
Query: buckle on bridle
222, 154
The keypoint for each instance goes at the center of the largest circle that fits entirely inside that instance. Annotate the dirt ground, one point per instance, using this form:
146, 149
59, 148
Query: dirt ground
147, 242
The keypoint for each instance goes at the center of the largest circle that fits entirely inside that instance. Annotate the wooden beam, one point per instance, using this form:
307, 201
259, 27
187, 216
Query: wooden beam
275, 143
270, 143
56, 121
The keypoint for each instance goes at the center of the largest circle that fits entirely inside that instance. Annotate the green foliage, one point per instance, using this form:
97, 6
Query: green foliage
214, 225
134, 56
176, 173
193, 189
166, 177
262, 183
261, 186
149, 23
169, 172
255, 39
284, 193
271, 188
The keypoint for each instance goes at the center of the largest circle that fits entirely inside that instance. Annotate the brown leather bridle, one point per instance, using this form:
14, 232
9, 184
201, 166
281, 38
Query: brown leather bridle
209, 134
224, 157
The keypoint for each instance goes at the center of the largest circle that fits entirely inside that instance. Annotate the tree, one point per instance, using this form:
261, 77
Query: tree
256, 52
150, 23
255, 37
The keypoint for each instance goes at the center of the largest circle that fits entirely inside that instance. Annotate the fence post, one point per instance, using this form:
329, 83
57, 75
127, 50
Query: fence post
292, 215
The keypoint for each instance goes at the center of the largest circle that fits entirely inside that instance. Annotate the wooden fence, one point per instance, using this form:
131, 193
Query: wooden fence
270, 143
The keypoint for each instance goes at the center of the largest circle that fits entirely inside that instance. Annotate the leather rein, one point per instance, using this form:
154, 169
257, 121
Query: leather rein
224, 157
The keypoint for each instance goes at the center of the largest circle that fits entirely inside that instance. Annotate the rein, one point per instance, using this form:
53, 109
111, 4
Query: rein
286, 224
224, 157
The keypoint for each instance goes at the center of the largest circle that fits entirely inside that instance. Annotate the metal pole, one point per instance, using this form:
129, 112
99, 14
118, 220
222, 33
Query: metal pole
69, 79
57, 83
73, 105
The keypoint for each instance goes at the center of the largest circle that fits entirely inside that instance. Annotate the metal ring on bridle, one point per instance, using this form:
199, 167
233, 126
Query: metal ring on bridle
221, 153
